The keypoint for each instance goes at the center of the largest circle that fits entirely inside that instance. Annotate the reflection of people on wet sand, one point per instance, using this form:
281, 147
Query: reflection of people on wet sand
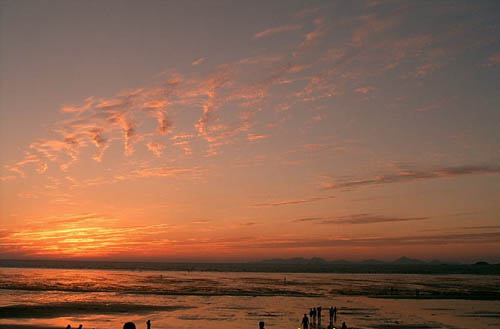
305, 322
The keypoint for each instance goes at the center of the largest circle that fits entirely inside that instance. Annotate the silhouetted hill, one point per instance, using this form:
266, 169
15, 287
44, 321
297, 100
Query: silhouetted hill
320, 261
371, 262
340, 261
406, 260
481, 263
436, 262
295, 261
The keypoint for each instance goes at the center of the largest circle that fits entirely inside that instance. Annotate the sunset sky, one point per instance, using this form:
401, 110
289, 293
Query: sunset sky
243, 130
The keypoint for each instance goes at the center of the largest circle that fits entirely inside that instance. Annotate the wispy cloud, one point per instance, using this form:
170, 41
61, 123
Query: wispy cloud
276, 30
394, 241
358, 219
255, 137
481, 227
365, 90
320, 28
198, 61
417, 175
373, 25
293, 201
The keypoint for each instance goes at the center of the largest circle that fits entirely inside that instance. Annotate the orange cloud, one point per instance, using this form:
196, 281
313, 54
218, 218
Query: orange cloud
365, 90
85, 235
156, 147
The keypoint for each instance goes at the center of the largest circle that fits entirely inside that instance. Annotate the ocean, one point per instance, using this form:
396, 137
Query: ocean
100, 297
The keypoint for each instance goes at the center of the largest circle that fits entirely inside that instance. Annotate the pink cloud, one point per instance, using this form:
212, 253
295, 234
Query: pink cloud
198, 61
311, 37
373, 25
255, 137
276, 30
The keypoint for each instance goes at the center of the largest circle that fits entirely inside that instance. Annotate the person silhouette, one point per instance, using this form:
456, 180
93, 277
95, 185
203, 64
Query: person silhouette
129, 325
319, 316
314, 316
305, 322
344, 326
331, 316
261, 325
68, 326
148, 323
335, 314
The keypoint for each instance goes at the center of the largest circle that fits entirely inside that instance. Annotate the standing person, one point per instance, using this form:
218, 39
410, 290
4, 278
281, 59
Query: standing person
344, 326
331, 316
129, 325
311, 316
319, 316
305, 322
314, 316
335, 314
261, 325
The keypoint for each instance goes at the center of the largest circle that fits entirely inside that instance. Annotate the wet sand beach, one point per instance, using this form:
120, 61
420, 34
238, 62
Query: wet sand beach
49, 298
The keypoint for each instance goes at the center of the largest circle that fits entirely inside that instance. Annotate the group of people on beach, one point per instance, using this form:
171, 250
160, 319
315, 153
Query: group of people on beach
315, 319
127, 325
314, 314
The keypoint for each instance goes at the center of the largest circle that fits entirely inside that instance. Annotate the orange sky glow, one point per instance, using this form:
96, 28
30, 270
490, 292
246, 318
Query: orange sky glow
238, 131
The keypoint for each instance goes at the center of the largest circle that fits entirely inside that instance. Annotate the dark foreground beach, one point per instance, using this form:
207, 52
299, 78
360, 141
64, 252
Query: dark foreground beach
98, 298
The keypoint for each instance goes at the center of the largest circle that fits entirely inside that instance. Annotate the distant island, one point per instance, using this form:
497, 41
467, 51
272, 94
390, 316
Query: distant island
403, 265
316, 260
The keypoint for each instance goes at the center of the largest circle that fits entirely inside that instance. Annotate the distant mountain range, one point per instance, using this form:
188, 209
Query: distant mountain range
320, 261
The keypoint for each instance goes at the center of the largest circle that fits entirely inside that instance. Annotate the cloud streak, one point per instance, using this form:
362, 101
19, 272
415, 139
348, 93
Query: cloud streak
394, 241
357, 219
416, 175
293, 201
276, 30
